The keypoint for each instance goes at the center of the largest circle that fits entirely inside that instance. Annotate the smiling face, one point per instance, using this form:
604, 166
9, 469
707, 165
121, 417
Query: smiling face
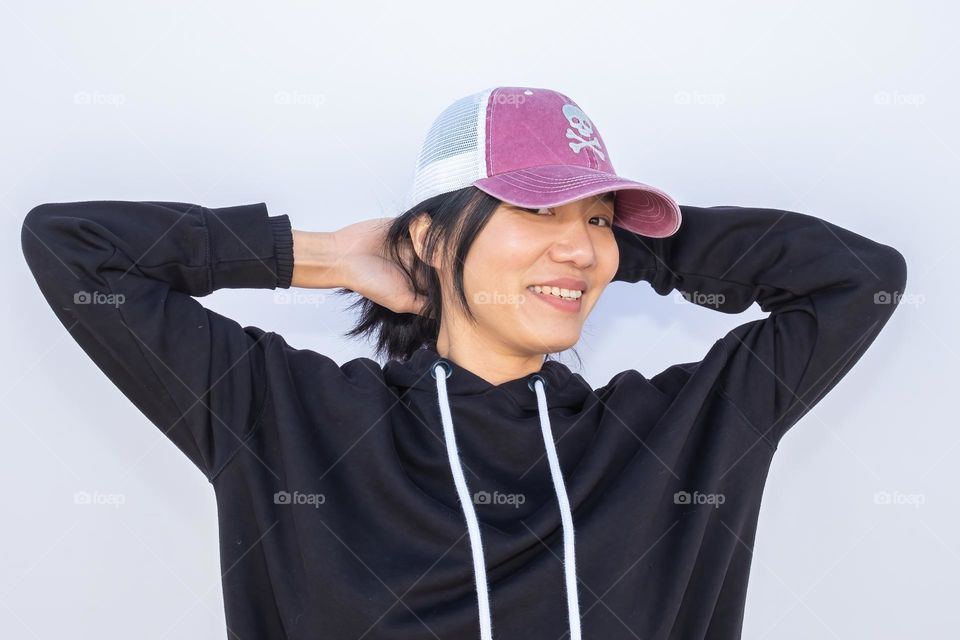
524, 257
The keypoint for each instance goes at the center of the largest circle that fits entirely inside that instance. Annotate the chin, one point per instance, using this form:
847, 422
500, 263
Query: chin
550, 345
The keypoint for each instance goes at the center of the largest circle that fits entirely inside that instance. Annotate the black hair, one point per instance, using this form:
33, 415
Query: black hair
457, 218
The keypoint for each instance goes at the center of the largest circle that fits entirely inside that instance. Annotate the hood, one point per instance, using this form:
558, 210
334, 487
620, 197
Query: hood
502, 434
567, 389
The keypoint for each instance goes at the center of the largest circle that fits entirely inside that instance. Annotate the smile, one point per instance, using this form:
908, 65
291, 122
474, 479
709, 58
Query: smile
557, 301
565, 294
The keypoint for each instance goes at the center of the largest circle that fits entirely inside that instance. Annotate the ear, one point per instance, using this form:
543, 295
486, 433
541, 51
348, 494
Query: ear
418, 233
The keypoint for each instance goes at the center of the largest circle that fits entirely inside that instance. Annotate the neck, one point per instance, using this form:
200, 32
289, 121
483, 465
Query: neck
489, 359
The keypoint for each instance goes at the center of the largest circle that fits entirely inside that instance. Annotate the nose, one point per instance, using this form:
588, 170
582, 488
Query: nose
574, 243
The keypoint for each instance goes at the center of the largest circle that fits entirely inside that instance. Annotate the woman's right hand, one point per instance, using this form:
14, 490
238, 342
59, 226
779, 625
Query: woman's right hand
355, 257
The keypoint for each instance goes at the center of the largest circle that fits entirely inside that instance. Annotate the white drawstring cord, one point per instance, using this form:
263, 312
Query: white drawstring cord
473, 527
566, 515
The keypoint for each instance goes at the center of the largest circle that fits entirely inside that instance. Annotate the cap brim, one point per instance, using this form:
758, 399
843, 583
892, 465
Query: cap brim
639, 208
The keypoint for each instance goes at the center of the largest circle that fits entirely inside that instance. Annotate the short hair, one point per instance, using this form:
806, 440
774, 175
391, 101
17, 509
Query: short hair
457, 218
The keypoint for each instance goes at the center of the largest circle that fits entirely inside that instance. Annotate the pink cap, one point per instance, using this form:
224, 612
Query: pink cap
541, 150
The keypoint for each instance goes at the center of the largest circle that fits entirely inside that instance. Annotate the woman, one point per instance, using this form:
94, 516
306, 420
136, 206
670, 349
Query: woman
438, 495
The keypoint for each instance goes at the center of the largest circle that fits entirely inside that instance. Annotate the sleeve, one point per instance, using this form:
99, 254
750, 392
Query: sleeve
122, 277
828, 292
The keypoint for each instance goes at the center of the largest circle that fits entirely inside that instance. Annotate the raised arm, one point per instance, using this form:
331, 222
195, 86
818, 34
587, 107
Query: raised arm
829, 292
120, 276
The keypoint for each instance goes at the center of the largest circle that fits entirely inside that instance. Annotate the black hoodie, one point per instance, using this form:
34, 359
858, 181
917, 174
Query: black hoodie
339, 516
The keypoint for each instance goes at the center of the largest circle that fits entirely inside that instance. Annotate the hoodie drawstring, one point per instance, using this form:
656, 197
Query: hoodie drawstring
473, 526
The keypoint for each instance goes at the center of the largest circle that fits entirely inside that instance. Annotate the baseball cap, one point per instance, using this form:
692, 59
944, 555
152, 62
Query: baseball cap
532, 147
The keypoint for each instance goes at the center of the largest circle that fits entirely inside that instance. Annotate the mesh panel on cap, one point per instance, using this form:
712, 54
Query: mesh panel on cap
453, 154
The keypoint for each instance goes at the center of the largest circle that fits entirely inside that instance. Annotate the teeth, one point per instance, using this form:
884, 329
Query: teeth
569, 294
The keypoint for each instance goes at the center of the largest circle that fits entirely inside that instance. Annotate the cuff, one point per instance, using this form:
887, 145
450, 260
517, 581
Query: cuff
248, 248
282, 249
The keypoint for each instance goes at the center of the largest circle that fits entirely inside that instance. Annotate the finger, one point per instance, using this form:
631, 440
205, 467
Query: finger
420, 304
415, 305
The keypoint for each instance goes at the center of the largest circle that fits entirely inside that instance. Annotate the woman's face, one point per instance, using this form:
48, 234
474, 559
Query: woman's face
519, 249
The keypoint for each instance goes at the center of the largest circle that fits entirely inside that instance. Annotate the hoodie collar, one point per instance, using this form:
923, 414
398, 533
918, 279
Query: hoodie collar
564, 388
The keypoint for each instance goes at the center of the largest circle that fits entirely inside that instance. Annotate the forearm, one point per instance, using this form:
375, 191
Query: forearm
727, 258
125, 246
316, 262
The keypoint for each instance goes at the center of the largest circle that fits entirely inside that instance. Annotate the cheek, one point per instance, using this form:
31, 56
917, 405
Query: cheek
500, 259
494, 278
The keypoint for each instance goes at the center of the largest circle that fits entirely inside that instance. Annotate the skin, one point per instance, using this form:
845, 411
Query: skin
352, 257
518, 247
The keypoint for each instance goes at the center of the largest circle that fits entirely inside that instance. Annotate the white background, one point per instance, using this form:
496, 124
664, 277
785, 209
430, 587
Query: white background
846, 111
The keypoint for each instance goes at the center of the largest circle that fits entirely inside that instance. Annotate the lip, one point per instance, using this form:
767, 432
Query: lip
558, 303
564, 283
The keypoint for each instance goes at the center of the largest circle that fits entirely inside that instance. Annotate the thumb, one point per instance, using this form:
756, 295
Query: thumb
419, 304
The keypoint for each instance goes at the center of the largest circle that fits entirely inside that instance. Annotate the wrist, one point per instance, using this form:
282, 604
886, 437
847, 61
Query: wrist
316, 261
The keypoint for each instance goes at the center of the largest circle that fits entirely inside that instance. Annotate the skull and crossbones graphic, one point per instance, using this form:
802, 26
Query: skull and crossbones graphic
578, 120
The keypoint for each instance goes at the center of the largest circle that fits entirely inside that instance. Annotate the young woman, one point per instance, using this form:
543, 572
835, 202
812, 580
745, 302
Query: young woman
472, 485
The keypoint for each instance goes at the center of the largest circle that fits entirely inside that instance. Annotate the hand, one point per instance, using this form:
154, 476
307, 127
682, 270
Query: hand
369, 271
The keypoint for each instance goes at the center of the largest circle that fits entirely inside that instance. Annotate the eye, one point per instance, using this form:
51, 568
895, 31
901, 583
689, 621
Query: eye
543, 211
607, 220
